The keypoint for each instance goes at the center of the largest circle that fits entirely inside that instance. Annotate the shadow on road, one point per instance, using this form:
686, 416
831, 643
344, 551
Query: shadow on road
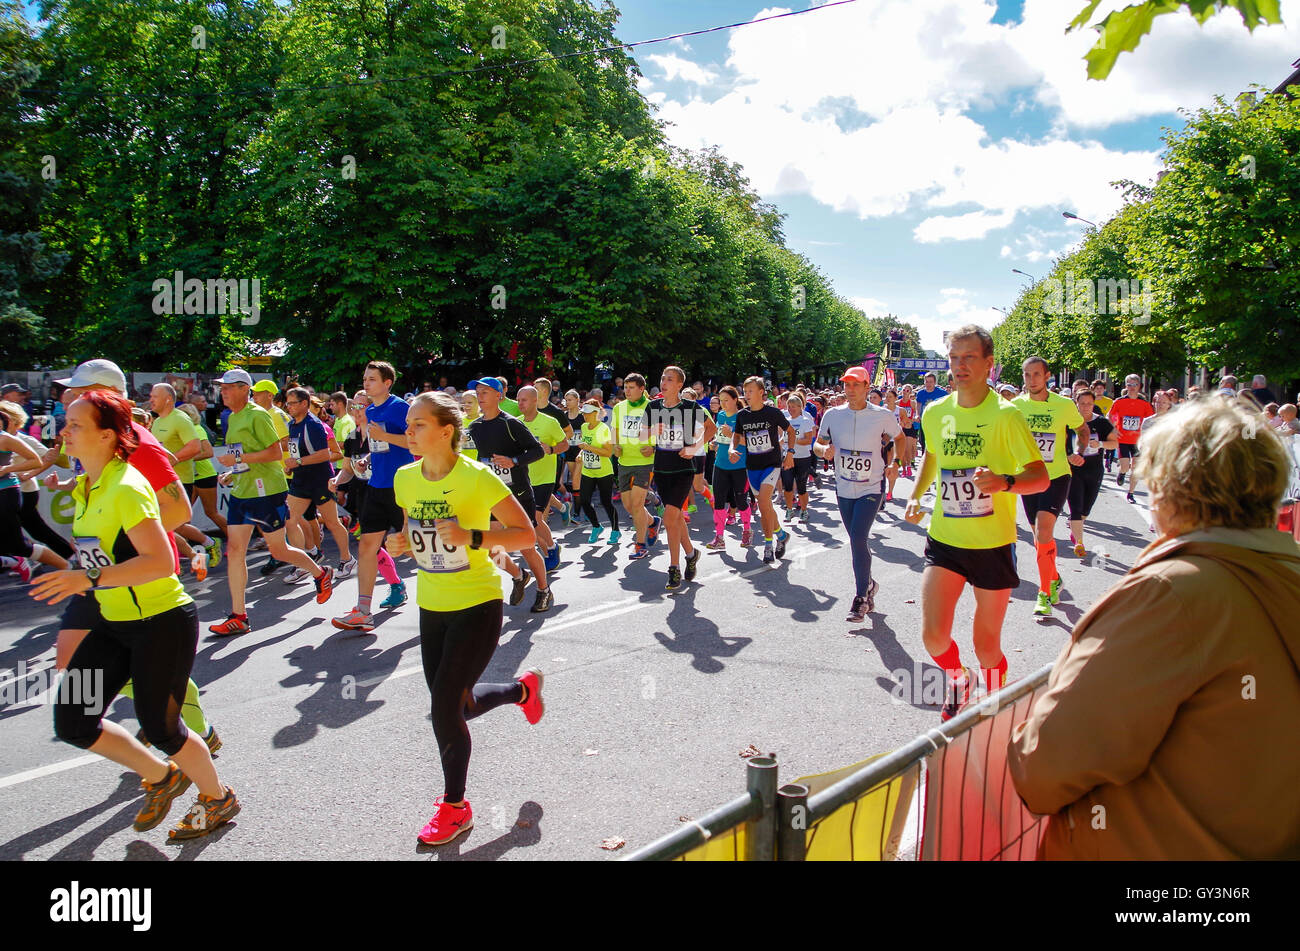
524, 833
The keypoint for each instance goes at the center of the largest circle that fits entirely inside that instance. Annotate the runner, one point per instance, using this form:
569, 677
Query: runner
634, 450
1050, 416
854, 436
385, 434
469, 412
264, 394
17, 552
1126, 415
572, 462
681, 428
702, 463
730, 483
26, 469
981, 453
204, 490
543, 473
760, 427
147, 626
182, 439
794, 481
1103, 403
561, 500
1085, 479
927, 395
312, 451
253, 456
448, 503
596, 445
509, 448
908, 419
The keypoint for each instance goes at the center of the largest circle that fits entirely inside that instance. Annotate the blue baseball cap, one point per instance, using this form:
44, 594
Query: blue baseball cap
490, 382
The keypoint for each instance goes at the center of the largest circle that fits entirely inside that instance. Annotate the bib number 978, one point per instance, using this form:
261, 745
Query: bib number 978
431, 552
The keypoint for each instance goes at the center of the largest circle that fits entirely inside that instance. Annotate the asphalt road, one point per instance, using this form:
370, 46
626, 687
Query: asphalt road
650, 697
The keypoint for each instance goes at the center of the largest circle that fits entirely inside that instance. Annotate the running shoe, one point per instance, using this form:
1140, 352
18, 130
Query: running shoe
158, 797
210, 738
552, 560
639, 552
1056, 590
24, 570
233, 624
614, 537
206, 815
566, 512
297, 575
517, 586
955, 695
447, 823
199, 565
324, 585
718, 544
544, 601
396, 597
781, 538
354, 620
1129, 498
1079, 549
652, 535
692, 563
314, 554
356, 530
858, 612
214, 553
731, 517
686, 518
1119, 479
803, 516
871, 595
769, 559
708, 497
1072, 539
257, 544
618, 496
1043, 608
532, 704
674, 578
889, 496
690, 508
345, 569
595, 535
746, 537
271, 567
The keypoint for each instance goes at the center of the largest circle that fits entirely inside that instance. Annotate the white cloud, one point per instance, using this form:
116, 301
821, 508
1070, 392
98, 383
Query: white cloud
976, 224
869, 306
675, 66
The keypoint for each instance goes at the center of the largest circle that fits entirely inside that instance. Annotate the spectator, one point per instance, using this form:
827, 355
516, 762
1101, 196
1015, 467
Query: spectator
1289, 426
1228, 386
1259, 389
1201, 635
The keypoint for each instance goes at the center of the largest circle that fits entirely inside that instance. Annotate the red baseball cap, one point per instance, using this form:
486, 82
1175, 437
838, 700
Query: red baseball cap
855, 373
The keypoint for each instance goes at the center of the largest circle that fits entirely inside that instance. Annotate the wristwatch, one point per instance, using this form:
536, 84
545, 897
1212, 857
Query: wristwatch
476, 538
93, 574
1011, 481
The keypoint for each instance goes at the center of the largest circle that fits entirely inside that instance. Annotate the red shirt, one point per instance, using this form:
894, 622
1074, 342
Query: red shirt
150, 460
1127, 415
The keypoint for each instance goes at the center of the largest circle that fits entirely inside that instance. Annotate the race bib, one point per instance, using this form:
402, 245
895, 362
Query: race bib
632, 427
378, 445
236, 449
431, 552
721, 438
1094, 447
852, 465
502, 472
759, 441
91, 552
960, 497
467, 442
295, 452
672, 437
1131, 423
590, 460
1046, 445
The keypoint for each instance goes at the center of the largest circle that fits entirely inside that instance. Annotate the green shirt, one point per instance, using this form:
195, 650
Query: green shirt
509, 406
630, 428
174, 431
344, 427
548, 433
253, 429
451, 578
1049, 420
104, 513
593, 463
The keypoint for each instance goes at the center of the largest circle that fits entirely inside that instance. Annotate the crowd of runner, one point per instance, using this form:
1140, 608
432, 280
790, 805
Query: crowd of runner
468, 483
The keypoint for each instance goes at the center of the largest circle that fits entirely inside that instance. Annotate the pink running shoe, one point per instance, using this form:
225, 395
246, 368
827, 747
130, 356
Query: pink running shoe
447, 823
533, 706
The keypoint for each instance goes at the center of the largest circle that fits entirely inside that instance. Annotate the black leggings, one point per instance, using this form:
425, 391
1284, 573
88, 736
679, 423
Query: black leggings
730, 487
39, 530
606, 485
1085, 483
455, 647
12, 540
156, 653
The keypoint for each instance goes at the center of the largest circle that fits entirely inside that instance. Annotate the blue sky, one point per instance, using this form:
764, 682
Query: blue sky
921, 149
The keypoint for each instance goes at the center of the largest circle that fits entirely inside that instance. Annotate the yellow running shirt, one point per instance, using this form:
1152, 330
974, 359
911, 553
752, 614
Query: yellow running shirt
452, 577
174, 431
993, 435
594, 464
1048, 421
548, 433
1103, 404
467, 447
104, 513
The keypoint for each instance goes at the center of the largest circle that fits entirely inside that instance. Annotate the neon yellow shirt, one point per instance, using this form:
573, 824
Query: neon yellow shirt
344, 427
281, 421
105, 512
594, 464
253, 430
548, 433
993, 434
451, 578
630, 426
175, 430
1049, 420
1103, 404
467, 447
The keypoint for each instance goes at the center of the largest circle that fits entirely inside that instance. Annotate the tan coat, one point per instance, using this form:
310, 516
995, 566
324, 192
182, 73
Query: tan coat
1170, 728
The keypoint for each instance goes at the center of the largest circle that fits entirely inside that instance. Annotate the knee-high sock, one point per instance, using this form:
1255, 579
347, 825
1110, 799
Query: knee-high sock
1046, 565
386, 567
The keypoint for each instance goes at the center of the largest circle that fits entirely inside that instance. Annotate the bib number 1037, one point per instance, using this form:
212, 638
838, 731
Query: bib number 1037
431, 552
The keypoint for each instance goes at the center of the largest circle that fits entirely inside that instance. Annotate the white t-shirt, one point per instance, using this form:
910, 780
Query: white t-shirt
857, 436
30, 484
802, 426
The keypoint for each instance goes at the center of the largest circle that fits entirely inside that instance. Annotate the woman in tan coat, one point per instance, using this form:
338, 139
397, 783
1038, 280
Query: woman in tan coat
1169, 726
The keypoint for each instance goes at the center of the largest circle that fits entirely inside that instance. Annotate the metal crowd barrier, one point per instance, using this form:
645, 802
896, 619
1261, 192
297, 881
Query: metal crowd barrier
945, 795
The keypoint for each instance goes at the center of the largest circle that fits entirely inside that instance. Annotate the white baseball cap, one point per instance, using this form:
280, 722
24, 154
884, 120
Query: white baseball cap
97, 373
236, 376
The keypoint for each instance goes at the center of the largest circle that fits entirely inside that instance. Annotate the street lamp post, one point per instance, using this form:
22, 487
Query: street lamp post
1070, 214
